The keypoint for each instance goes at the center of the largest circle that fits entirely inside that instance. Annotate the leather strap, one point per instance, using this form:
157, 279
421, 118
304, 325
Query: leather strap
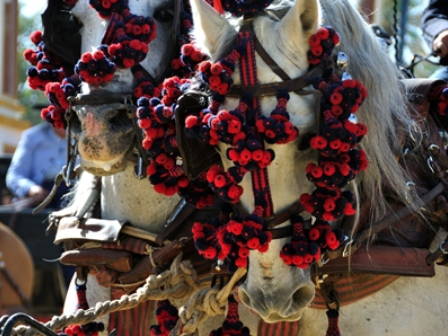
281, 217
271, 89
440, 255
182, 211
283, 232
120, 261
147, 266
276, 219
418, 89
101, 98
350, 246
392, 260
269, 60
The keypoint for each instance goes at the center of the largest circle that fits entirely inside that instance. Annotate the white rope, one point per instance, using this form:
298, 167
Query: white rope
179, 282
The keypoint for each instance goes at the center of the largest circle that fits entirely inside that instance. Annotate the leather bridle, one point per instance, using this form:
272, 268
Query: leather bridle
296, 85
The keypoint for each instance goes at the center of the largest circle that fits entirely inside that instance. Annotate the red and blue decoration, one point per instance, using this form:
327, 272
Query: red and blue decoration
246, 131
442, 106
231, 241
125, 45
156, 119
241, 7
340, 159
89, 329
95, 68
333, 323
46, 67
57, 93
54, 115
167, 316
232, 326
322, 44
307, 245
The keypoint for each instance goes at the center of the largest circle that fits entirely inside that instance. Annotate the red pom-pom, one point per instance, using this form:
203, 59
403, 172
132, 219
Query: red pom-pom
235, 228
36, 37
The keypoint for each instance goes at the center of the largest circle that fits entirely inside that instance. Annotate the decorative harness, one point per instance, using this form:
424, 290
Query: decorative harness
418, 262
260, 181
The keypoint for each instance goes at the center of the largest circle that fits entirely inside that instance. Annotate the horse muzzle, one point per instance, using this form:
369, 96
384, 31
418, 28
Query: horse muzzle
275, 291
105, 137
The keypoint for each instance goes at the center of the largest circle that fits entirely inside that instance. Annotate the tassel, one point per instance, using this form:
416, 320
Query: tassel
167, 316
333, 327
232, 326
89, 329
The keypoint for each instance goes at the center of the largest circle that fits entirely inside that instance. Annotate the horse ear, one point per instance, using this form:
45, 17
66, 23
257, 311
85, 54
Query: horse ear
302, 19
210, 29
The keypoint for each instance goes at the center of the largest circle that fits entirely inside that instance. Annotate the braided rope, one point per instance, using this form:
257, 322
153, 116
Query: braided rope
179, 282
204, 303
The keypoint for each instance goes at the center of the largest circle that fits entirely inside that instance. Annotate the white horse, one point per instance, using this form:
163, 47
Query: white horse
105, 136
106, 145
275, 291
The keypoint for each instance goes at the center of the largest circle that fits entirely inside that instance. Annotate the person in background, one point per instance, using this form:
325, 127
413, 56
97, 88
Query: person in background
434, 24
39, 157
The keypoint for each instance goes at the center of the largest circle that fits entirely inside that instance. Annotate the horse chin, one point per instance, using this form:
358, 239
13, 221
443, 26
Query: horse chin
275, 318
107, 168
293, 315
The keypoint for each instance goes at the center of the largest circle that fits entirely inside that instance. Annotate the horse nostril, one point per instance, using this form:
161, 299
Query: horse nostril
304, 295
244, 297
111, 114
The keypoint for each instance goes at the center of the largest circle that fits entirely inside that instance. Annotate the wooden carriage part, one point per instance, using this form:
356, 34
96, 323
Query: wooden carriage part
16, 272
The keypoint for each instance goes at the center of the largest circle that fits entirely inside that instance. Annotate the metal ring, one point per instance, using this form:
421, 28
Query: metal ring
442, 248
432, 146
429, 163
409, 184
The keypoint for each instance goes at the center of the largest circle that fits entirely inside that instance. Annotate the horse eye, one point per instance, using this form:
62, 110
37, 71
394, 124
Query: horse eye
164, 15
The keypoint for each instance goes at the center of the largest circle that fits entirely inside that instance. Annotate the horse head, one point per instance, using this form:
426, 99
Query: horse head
273, 289
105, 127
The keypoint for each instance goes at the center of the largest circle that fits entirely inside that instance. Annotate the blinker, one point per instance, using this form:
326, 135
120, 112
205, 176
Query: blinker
61, 31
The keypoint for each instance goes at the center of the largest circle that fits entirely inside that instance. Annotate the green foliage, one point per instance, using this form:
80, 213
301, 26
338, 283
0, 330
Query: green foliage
414, 42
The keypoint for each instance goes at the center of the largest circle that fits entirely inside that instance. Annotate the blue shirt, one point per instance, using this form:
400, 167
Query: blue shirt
39, 157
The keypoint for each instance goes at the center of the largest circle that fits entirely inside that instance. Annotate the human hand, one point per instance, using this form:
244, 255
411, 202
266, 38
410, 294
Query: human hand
38, 193
440, 44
